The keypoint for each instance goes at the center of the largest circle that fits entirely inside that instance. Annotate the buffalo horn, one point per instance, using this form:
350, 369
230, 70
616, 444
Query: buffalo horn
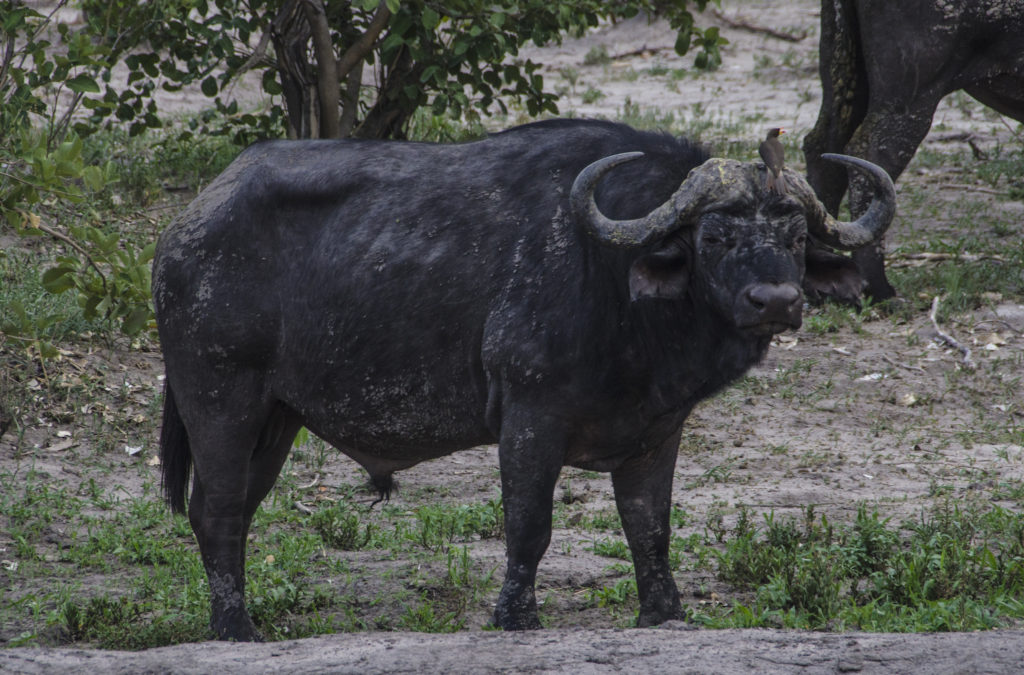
870, 226
638, 231
729, 181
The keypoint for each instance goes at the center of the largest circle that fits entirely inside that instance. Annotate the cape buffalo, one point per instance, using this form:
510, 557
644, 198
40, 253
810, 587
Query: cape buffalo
884, 68
407, 300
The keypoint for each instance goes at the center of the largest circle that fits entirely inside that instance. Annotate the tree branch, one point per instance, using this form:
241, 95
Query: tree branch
753, 28
257, 54
327, 68
350, 110
361, 47
56, 234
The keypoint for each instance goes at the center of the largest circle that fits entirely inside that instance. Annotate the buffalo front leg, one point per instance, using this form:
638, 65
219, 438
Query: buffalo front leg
531, 459
643, 494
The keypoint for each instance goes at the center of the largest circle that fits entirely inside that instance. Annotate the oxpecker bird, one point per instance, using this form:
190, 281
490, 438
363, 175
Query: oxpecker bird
774, 156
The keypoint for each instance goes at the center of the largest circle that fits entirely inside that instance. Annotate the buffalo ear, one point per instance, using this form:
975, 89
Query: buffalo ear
658, 275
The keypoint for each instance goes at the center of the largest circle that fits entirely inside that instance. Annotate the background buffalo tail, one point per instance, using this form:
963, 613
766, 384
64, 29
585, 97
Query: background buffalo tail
175, 455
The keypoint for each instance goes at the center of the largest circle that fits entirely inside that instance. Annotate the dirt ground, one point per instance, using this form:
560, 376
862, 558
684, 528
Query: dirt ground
880, 413
725, 652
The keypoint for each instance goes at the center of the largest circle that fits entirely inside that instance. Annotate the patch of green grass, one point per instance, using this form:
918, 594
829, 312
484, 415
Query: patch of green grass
962, 284
831, 317
32, 320
955, 569
604, 520
162, 598
719, 473
1005, 168
612, 548
339, 526
592, 95
620, 593
145, 167
426, 126
597, 56
438, 527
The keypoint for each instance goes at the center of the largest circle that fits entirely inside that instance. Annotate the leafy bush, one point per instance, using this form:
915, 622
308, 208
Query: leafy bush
457, 59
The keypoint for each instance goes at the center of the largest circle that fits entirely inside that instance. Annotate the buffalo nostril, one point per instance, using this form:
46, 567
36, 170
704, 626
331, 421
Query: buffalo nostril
771, 296
768, 304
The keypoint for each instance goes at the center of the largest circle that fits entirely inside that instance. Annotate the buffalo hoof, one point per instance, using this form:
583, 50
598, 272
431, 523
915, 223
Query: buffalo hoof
894, 305
509, 617
659, 615
506, 621
516, 608
238, 630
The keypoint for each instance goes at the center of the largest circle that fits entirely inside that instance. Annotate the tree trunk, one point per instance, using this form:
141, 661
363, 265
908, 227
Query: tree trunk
315, 106
387, 117
290, 33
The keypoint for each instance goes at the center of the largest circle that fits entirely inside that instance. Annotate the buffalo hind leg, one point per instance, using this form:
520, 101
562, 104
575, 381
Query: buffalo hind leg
218, 522
235, 467
531, 459
643, 495
271, 452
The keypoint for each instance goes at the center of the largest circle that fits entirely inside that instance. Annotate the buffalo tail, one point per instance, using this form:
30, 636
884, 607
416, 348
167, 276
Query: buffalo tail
175, 455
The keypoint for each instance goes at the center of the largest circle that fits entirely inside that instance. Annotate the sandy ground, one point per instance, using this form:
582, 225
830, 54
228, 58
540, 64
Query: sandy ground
726, 652
881, 415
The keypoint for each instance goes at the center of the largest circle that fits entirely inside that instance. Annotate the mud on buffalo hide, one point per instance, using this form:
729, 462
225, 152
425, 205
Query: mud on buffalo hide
568, 290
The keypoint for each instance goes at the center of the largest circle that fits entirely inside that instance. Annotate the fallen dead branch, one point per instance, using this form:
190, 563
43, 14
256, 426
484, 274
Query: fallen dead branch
967, 137
947, 338
1005, 324
972, 188
927, 257
638, 52
888, 359
742, 24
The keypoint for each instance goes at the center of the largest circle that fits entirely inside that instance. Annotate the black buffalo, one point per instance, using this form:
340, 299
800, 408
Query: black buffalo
885, 66
407, 300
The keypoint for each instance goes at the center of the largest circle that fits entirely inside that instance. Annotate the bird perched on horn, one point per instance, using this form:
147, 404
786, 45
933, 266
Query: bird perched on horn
774, 156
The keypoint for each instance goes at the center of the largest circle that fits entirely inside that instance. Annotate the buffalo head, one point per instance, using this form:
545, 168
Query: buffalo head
725, 239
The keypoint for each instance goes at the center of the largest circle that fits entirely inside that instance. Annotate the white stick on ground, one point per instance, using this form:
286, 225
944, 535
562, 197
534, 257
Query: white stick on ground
948, 339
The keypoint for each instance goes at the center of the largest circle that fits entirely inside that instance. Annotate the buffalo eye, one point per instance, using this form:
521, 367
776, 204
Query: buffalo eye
711, 240
798, 241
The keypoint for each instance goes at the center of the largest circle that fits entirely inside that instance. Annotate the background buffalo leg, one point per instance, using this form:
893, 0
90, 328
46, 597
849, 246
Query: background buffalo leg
888, 136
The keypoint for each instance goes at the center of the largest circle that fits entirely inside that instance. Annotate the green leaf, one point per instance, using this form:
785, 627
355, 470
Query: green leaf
429, 72
94, 178
430, 18
58, 279
683, 42
83, 84
209, 86
47, 350
391, 42
270, 83
393, 5
136, 320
